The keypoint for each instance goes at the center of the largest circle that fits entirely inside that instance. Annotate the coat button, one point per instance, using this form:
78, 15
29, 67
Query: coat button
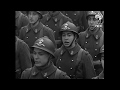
26, 37
74, 13
59, 67
70, 75
86, 42
96, 43
95, 56
66, 14
72, 60
36, 37
46, 25
46, 77
71, 68
60, 59
55, 24
95, 49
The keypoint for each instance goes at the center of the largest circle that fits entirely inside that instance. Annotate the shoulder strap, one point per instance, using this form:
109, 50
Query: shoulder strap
79, 55
57, 74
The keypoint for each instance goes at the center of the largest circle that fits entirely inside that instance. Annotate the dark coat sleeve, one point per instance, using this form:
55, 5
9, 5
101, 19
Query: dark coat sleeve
85, 69
26, 73
22, 21
24, 56
21, 34
88, 67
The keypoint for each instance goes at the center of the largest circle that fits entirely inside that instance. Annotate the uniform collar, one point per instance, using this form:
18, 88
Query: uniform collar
97, 34
49, 70
46, 71
71, 51
36, 29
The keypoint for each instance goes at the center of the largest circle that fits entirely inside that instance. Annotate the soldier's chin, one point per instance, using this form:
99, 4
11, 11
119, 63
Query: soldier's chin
66, 44
92, 27
38, 64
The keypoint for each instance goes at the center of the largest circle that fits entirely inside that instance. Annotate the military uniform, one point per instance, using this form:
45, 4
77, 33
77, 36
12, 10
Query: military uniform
31, 34
76, 62
67, 62
54, 22
23, 60
92, 42
78, 18
47, 72
21, 21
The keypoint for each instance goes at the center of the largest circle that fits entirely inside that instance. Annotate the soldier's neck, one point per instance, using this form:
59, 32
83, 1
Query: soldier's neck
35, 24
72, 46
94, 31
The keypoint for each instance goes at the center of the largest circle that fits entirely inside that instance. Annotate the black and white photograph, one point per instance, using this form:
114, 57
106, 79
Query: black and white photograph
59, 44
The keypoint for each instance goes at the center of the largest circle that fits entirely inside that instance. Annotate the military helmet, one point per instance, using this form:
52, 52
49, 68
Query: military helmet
39, 13
68, 26
45, 44
97, 14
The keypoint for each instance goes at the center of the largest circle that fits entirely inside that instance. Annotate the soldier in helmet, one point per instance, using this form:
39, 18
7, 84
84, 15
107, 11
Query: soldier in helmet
35, 29
71, 58
43, 68
54, 20
93, 38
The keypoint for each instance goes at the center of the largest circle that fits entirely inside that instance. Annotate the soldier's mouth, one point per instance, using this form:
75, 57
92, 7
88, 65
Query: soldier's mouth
66, 43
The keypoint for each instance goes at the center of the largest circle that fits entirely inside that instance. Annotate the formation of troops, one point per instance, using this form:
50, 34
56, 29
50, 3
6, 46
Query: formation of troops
59, 44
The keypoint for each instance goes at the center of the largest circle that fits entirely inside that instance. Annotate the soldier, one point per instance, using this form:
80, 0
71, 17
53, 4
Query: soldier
93, 38
35, 29
54, 19
21, 21
78, 18
22, 60
71, 58
43, 68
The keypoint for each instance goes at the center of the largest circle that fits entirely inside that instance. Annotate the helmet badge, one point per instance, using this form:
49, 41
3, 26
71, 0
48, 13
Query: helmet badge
65, 26
40, 43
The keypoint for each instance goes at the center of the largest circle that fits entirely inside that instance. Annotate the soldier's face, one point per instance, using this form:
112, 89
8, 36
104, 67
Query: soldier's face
33, 17
40, 57
92, 22
67, 38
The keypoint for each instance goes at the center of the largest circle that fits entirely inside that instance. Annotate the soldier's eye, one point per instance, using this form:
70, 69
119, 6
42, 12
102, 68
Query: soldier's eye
34, 52
40, 53
63, 35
